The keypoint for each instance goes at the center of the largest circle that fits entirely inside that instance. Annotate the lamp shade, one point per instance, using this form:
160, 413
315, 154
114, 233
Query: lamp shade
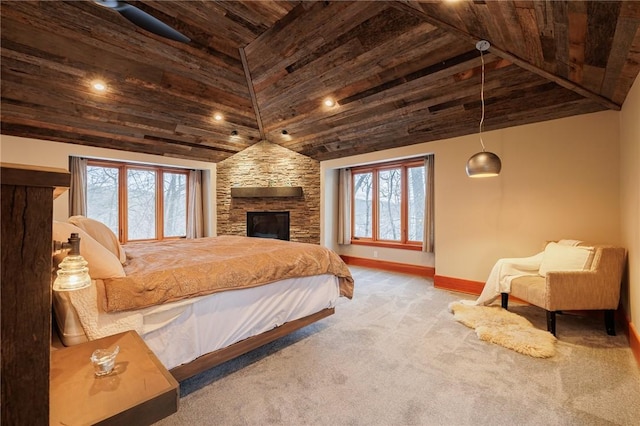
73, 273
483, 164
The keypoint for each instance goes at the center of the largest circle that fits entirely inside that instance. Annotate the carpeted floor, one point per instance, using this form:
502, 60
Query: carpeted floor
395, 356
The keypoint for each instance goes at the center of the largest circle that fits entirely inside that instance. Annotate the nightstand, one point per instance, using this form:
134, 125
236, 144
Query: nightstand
139, 391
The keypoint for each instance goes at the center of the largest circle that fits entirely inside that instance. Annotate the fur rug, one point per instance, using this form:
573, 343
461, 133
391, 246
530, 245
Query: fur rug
496, 325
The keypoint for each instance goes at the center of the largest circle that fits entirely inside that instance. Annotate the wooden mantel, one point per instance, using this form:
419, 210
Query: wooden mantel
266, 191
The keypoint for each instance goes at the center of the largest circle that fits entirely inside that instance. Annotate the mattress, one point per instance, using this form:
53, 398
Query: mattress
180, 332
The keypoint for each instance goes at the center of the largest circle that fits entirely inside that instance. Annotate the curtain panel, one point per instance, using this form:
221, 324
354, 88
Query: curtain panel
78, 187
428, 239
195, 205
344, 206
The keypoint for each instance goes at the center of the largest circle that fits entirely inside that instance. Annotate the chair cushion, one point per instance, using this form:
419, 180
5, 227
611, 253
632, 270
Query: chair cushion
557, 257
530, 288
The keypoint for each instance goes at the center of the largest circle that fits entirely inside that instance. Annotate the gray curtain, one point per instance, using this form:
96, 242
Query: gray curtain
206, 202
195, 214
429, 224
344, 206
78, 187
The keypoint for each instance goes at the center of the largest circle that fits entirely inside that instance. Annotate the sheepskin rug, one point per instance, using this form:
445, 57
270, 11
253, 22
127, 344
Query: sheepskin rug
496, 325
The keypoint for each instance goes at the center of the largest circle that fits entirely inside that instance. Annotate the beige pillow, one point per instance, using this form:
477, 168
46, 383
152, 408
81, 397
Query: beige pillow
102, 263
101, 233
558, 257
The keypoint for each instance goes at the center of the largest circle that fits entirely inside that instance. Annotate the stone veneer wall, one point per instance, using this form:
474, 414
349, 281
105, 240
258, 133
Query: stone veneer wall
268, 164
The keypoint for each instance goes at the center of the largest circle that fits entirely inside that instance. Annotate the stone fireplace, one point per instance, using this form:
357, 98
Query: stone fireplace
261, 176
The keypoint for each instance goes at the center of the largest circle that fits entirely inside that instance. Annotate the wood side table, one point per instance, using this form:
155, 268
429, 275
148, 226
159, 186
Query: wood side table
139, 391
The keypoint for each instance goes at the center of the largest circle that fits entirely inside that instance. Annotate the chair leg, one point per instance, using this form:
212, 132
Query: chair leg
609, 322
505, 300
551, 322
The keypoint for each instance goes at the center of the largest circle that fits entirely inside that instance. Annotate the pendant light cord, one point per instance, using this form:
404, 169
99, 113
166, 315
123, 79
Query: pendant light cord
482, 100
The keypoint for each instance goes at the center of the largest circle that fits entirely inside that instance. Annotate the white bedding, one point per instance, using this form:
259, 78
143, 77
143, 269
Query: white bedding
181, 331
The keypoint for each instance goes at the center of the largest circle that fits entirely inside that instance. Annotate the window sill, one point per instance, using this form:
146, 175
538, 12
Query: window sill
414, 247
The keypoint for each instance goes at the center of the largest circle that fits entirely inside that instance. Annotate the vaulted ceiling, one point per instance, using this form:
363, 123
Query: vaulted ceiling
400, 72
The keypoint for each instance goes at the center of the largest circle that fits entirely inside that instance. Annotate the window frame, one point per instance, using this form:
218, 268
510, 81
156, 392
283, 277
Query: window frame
123, 168
375, 169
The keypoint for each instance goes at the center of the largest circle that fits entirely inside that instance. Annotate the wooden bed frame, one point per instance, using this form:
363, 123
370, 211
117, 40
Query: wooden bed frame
212, 359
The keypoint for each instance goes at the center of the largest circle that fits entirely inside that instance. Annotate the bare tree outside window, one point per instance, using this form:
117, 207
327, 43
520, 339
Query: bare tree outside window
416, 203
102, 195
363, 205
141, 204
175, 204
138, 202
389, 204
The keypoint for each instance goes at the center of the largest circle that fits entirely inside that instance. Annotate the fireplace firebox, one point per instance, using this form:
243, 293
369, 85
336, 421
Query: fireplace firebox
268, 225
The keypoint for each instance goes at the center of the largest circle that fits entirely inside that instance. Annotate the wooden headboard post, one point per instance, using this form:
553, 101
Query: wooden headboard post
25, 290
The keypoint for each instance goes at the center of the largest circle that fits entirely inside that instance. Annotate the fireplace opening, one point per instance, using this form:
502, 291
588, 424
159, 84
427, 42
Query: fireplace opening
268, 225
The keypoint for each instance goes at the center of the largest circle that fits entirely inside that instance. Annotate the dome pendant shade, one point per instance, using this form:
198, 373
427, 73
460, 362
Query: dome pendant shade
483, 164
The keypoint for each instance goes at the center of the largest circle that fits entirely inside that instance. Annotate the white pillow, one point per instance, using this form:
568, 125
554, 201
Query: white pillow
101, 233
558, 257
102, 263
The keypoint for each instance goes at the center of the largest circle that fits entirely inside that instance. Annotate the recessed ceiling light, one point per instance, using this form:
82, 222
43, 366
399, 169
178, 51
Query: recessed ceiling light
99, 86
217, 116
329, 102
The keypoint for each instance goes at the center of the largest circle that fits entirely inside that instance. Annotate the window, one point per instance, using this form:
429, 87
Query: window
138, 202
388, 204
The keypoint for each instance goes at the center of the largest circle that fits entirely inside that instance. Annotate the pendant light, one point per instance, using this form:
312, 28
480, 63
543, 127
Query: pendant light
484, 163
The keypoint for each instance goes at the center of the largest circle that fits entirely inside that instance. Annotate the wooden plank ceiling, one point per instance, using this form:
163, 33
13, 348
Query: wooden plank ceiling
400, 73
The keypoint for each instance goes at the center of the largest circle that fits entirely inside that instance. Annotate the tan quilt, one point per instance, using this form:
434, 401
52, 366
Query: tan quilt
166, 271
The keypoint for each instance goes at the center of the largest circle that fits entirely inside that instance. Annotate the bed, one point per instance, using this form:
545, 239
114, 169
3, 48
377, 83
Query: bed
197, 303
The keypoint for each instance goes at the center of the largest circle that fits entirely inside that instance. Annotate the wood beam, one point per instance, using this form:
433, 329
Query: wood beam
252, 92
415, 9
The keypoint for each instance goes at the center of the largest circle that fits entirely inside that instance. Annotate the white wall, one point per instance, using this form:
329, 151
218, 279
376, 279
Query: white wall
630, 198
55, 154
559, 180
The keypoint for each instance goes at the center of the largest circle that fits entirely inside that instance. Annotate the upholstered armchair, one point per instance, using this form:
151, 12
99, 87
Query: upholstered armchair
595, 288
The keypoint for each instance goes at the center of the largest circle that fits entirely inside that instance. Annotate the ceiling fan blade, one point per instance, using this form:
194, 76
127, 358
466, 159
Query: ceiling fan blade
144, 20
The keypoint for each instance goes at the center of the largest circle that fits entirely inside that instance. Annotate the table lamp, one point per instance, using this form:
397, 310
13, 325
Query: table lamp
73, 273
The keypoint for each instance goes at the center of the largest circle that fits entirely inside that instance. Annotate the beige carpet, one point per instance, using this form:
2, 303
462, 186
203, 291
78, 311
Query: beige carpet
394, 356
496, 325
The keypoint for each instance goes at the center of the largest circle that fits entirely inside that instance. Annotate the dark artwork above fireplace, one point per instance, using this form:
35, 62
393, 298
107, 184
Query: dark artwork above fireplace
268, 225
